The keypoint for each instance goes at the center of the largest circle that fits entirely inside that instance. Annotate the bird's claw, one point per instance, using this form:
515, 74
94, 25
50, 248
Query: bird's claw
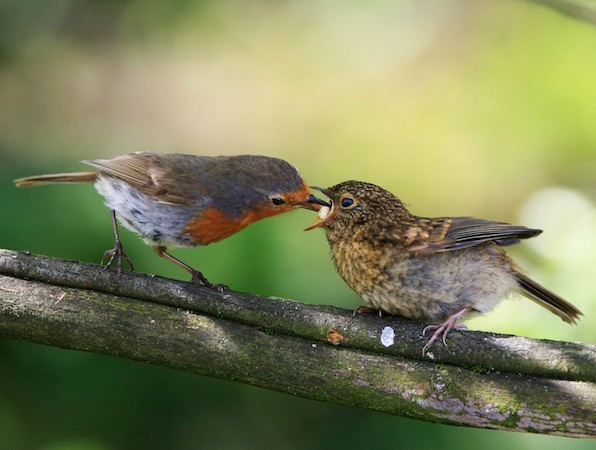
367, 310
117, 254
444, 329
199, 278
439, 330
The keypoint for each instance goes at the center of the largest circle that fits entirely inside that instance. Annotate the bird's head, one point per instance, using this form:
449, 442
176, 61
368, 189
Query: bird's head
255, 187
357, 204
248, 188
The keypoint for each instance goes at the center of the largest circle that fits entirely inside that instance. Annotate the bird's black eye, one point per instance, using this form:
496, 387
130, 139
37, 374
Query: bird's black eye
277, 201
347, 202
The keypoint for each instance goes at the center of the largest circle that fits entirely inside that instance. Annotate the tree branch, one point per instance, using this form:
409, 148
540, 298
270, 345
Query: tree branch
482, 379
570, 9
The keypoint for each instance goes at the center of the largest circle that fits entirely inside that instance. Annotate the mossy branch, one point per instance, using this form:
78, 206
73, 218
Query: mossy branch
481, 380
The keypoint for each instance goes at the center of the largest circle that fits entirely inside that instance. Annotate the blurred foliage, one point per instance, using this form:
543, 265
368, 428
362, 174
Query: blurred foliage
460, 108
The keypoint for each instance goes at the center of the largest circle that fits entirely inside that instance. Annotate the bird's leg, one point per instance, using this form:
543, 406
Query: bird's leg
197, 277
116, 253
444, 328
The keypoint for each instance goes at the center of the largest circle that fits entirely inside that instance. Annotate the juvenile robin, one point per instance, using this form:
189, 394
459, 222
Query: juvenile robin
176, 200
434, 270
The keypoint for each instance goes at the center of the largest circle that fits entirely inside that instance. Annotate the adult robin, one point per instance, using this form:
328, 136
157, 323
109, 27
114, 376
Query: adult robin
176, 200
435, 270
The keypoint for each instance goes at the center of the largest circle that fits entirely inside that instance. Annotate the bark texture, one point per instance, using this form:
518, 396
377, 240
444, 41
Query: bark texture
481, 379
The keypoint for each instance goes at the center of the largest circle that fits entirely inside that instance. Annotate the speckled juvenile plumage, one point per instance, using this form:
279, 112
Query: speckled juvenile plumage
427, 269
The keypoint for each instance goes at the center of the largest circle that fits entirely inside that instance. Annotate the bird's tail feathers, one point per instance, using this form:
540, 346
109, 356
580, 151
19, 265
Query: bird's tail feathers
548, 299
38, 180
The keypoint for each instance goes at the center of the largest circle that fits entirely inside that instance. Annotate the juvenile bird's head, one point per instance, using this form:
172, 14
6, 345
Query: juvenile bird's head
356, 205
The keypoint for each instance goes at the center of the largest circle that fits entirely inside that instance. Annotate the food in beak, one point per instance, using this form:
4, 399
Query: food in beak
320, 219
324, 212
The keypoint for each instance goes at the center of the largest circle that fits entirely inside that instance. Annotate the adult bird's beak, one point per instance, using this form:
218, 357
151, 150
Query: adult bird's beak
323, 217
314, 203
324, 210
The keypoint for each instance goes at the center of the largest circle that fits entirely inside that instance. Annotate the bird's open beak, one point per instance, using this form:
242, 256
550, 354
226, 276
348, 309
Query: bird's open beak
314, 203
319, 221
324, 211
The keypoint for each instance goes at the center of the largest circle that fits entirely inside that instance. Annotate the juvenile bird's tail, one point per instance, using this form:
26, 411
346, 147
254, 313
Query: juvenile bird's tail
38, 180
548, 299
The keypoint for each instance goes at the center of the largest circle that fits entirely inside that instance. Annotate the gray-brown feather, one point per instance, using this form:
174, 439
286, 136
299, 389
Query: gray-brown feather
234, 184
39, 180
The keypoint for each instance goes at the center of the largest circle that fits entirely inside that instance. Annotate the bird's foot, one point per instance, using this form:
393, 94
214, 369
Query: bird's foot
116, 254
199, 278
367, 310
196, 276
444, 328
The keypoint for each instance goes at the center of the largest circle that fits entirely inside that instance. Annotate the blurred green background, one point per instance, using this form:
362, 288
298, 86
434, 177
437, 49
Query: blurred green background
460, 108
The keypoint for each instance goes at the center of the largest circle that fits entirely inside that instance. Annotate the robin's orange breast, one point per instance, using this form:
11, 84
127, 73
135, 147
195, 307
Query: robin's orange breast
212, 226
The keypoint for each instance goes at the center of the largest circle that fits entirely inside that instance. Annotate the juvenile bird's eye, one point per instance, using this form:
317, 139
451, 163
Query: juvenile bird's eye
277, 201
347, 202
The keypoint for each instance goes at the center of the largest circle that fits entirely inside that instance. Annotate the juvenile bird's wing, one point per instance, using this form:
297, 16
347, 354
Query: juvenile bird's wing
170, 178
445, 234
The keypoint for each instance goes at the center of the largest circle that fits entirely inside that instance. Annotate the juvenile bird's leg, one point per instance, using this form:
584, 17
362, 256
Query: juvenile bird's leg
197, 277
117, 252
444, 328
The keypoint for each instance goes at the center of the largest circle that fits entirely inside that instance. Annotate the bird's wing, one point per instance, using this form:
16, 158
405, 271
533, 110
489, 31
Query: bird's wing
167, 181
445, 234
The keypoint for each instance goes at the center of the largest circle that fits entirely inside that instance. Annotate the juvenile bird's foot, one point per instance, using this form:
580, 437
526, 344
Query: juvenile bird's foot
444, 328
117, 254
367, 310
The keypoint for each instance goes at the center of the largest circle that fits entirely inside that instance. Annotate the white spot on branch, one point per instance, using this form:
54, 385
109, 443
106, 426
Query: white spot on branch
387, 336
